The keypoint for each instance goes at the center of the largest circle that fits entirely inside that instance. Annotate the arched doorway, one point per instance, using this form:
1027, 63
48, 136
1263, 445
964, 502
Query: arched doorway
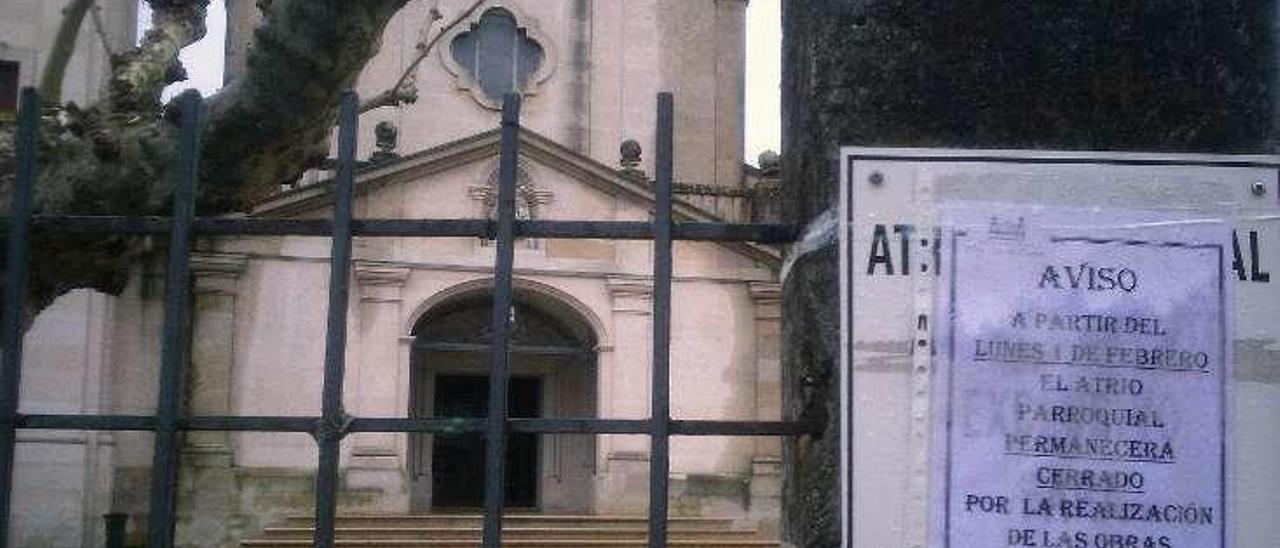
553, 374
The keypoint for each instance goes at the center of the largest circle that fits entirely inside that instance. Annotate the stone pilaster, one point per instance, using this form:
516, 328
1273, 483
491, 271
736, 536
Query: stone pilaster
766, 463
766, 298
625, 381
375, 460
628, 395
209, 382
207, 488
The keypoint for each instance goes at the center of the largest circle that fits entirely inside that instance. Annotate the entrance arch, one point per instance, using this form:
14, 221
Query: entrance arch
553, 374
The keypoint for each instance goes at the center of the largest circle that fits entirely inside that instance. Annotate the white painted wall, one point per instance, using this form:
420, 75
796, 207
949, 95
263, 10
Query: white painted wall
27, 30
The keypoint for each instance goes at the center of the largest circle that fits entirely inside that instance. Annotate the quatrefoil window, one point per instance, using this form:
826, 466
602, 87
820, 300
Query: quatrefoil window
499, 54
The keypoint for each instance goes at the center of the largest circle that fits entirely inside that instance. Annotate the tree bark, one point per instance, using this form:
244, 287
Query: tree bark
269, 126
141, 74
1132, 75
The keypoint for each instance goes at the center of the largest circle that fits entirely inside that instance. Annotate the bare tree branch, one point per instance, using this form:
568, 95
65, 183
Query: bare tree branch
405, 89
405, 94
100, 28
64, 45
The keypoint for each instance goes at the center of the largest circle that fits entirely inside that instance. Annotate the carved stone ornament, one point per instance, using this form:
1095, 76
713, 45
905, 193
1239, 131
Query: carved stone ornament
529, 198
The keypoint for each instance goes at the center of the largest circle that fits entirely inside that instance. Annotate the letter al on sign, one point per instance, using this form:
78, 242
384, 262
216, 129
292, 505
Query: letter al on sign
889, 253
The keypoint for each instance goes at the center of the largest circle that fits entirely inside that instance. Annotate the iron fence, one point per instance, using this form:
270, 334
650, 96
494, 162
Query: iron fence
334, 423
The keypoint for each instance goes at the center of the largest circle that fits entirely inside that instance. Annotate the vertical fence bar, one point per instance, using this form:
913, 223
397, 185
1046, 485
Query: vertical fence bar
15, 293
660, 423
114, 527
174, 350
499, 370
331, 429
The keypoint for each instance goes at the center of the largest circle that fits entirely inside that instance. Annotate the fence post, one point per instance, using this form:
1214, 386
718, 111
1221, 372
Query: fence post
499, 371
331, 428
175, 349
115, 525
660, 391
15, 293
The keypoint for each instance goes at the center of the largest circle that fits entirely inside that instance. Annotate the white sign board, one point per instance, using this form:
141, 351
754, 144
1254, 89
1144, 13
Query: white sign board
1137, 412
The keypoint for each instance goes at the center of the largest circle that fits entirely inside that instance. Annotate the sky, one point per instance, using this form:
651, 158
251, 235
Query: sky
764, 78
204, 62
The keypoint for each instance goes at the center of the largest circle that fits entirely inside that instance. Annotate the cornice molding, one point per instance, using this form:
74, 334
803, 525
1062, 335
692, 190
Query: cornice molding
217, 273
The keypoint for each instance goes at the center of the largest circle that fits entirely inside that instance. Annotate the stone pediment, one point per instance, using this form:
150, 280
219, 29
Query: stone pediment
308, 200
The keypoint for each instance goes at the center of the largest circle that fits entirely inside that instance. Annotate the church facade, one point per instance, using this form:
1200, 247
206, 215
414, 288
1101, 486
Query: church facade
589, 71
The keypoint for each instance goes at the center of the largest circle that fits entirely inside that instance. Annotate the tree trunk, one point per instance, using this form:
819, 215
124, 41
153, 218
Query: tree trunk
1156, 75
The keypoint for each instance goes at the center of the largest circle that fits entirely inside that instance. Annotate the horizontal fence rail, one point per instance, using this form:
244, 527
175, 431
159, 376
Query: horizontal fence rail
478, 228
333, 424
422, 426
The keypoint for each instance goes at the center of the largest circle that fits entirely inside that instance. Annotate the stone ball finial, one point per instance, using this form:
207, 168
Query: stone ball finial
631, 152
770, 161
387, 135
386, 138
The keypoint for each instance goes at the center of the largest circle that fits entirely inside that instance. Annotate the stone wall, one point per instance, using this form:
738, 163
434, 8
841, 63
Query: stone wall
27, 31
259, 497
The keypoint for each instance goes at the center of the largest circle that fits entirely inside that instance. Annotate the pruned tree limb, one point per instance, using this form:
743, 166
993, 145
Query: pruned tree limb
405, 94
142, 73
405, 89
100, 28
64, 45
269, 126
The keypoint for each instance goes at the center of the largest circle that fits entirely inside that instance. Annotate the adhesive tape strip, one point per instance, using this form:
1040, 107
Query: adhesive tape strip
821, 232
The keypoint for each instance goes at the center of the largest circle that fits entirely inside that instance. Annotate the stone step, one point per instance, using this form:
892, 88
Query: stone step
519, 531
512, 520
527, 543
513, 533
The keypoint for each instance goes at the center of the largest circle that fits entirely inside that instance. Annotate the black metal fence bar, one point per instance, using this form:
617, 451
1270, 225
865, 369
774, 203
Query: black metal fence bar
427, 425
743, 428
15, 289
174, 350
499, 369
87, 422
660, 391
332, 424
612, 230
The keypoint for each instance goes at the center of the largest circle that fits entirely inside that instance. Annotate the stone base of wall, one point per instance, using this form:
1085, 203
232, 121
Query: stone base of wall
765, 508
221, 505
254, 498
61, 487
709, 496
757, 498
624, 484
